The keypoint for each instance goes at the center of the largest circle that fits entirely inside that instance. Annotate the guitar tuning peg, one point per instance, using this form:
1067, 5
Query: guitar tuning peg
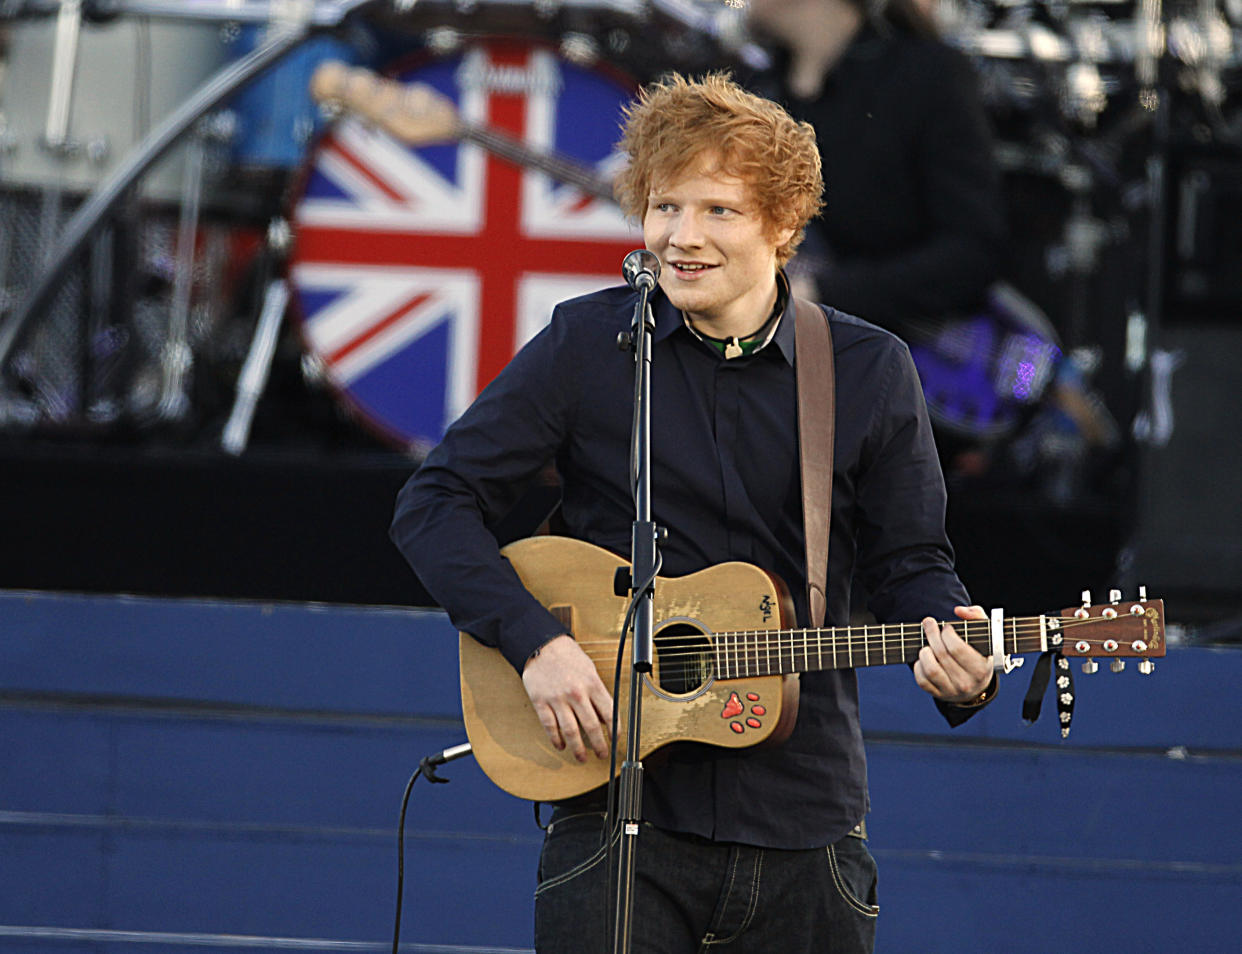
1114, 596
1142, 594
1090, 667
1086, 599
1146, 667
1117, 665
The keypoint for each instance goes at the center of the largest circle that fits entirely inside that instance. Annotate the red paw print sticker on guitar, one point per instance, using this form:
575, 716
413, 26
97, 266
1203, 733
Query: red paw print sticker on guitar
735, 707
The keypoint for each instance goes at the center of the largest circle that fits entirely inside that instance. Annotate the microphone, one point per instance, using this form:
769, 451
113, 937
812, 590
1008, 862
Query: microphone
641, 269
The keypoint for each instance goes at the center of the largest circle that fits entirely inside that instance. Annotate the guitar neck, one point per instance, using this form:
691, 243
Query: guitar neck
559, 168
775, 652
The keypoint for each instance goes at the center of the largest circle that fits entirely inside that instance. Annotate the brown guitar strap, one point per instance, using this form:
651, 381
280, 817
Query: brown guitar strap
815, 368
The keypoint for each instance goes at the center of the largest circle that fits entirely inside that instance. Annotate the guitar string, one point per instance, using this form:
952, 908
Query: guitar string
683, 654
753, 655
673, 667
860, 635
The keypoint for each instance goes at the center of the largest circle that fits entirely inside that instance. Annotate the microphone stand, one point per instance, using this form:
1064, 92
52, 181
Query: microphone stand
640, 269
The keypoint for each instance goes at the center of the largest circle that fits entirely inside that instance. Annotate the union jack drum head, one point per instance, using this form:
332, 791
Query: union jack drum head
419, 271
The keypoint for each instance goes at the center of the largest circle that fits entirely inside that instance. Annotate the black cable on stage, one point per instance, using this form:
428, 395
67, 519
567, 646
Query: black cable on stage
426, 767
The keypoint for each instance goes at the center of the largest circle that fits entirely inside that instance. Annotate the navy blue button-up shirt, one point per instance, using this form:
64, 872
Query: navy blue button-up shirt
725, 483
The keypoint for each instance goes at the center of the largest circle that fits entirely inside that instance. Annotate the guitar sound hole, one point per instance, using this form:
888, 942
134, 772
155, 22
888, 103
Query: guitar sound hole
684, 659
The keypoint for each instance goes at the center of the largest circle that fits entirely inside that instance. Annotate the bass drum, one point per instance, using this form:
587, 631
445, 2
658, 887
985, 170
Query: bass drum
418, 271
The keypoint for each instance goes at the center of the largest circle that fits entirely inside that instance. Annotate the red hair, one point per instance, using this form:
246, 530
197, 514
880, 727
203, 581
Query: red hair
675, 122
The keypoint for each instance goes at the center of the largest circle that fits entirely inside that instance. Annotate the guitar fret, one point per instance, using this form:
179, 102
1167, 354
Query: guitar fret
761, 653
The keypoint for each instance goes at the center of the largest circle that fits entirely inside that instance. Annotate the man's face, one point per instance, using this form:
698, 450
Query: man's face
717, 251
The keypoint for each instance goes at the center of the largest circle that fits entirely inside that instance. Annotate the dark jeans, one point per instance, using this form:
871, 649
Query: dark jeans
694, 895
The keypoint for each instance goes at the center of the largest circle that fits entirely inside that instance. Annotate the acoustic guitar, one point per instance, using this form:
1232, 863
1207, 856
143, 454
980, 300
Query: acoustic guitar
726, 659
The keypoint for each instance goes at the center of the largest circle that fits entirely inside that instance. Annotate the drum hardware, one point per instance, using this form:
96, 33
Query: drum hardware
88, 219
64, 62
1155, 424
254, 374
1085, 97
322, 13
580, 48
292, 16
176, 356
723, 23
252, 380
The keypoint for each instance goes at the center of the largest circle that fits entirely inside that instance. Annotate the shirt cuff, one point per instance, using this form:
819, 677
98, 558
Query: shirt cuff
955, 713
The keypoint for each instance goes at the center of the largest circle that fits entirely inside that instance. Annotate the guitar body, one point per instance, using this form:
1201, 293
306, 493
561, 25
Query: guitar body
683, 700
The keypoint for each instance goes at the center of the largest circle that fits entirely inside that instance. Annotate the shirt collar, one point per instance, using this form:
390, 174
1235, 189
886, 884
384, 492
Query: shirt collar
784, 337
669, 319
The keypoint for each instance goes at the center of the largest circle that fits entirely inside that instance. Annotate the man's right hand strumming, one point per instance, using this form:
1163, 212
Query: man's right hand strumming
572, 703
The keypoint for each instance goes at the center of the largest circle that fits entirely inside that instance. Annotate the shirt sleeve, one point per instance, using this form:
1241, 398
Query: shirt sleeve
905, 558
487, 458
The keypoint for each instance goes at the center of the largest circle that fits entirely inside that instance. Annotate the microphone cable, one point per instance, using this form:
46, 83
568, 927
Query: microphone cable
427, 767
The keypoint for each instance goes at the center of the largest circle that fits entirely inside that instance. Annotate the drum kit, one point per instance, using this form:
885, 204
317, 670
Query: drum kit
403, 188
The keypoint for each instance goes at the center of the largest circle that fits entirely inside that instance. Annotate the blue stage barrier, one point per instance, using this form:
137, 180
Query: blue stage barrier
193, 775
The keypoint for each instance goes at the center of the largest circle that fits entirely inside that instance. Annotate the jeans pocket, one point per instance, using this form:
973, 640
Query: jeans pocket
854, 874
571, 847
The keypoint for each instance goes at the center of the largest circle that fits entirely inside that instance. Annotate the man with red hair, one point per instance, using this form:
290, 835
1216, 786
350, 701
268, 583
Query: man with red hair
741, 849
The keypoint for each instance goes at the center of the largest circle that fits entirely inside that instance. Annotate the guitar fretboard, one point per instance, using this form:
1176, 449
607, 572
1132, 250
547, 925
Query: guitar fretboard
773, 652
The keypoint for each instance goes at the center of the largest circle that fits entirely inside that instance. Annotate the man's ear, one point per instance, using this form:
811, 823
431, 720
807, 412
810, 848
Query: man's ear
780, 235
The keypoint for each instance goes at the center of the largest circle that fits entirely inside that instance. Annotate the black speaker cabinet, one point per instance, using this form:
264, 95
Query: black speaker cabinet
1188, 533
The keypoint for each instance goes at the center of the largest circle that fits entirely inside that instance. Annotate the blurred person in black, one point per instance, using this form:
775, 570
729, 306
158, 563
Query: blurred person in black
913, 226
913, 233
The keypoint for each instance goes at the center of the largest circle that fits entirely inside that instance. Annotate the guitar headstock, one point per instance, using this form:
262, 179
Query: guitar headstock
1118, 629
415, 113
